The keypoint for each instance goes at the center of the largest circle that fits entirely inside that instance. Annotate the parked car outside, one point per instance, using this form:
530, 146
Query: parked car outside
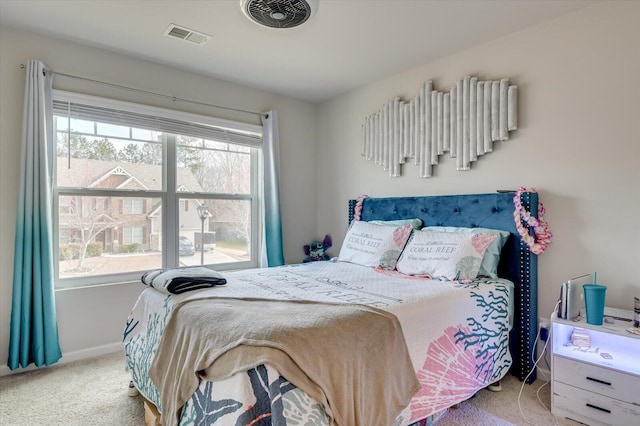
186, 247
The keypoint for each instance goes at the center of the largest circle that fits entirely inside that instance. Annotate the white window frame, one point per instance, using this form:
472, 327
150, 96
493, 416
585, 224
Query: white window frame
169, 194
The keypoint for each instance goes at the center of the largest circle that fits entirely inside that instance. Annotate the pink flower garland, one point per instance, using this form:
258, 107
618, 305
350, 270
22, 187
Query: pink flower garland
357, 211
541, 239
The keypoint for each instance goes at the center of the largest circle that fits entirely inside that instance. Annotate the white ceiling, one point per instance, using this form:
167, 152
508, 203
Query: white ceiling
346, 44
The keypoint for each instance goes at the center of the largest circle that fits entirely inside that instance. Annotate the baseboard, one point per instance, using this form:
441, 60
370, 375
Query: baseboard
68, 357
544, 374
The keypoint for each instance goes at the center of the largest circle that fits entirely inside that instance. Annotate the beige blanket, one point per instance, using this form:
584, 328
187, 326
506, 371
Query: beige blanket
351, 358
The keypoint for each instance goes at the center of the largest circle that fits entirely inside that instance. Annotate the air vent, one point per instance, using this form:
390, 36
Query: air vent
186, 34
279, 13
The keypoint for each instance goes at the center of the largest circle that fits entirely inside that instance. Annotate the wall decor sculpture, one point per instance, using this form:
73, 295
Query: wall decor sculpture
464, 121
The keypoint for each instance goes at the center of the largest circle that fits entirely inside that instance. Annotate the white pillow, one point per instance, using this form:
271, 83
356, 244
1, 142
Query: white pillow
444, 255
491, 259
374, 245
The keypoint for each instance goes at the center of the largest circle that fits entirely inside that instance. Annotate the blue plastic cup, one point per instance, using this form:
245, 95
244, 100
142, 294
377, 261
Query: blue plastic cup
594, 302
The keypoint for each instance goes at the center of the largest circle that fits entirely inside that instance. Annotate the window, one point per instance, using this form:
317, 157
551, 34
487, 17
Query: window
132, 235
132, 206
139, 188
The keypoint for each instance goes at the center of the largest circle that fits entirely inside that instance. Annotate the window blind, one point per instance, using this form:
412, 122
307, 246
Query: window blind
190, 127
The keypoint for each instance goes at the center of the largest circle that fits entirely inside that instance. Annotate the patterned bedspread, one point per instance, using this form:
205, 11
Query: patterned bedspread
457, 336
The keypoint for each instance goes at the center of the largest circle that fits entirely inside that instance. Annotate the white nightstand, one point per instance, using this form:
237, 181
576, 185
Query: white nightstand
599, 385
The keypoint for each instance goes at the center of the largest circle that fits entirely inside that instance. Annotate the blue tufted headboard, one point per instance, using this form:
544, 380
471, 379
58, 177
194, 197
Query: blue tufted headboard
517, 263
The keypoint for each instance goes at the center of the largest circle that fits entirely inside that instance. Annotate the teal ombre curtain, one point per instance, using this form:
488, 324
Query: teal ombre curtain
272, 254
34, 330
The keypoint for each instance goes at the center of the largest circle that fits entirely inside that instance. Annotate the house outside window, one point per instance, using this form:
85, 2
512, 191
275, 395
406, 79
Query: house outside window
139, 188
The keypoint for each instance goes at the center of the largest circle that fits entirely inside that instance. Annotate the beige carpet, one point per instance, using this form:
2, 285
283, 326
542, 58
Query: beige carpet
94, 393
502, 408
90, 392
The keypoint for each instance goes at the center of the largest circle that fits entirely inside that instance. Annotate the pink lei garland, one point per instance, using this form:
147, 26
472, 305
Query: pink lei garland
541, 239
357, 211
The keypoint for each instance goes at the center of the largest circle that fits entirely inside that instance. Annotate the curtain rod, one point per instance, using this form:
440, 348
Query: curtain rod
144, 92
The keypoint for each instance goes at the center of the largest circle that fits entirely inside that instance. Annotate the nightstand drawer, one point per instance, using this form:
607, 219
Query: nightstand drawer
588, 405
596, 379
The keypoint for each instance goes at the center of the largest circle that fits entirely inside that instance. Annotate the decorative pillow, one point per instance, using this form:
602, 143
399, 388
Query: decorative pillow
444, 255
415, 223
374, 245
489, 265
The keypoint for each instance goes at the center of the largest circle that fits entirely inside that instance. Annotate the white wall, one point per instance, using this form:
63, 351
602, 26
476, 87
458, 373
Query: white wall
93, 317
578, 142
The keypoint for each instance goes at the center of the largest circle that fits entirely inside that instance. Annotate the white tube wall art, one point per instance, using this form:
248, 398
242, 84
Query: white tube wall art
463, 121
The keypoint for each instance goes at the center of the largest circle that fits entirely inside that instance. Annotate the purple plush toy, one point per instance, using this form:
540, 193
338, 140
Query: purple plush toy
317, 250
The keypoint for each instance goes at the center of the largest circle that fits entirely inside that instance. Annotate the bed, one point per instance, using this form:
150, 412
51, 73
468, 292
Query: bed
457, 337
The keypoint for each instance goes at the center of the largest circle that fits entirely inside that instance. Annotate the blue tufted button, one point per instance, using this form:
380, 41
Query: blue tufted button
457, 210
495, 210
423, 210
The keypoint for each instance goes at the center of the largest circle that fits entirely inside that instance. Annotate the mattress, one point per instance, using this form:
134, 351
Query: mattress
456, 334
